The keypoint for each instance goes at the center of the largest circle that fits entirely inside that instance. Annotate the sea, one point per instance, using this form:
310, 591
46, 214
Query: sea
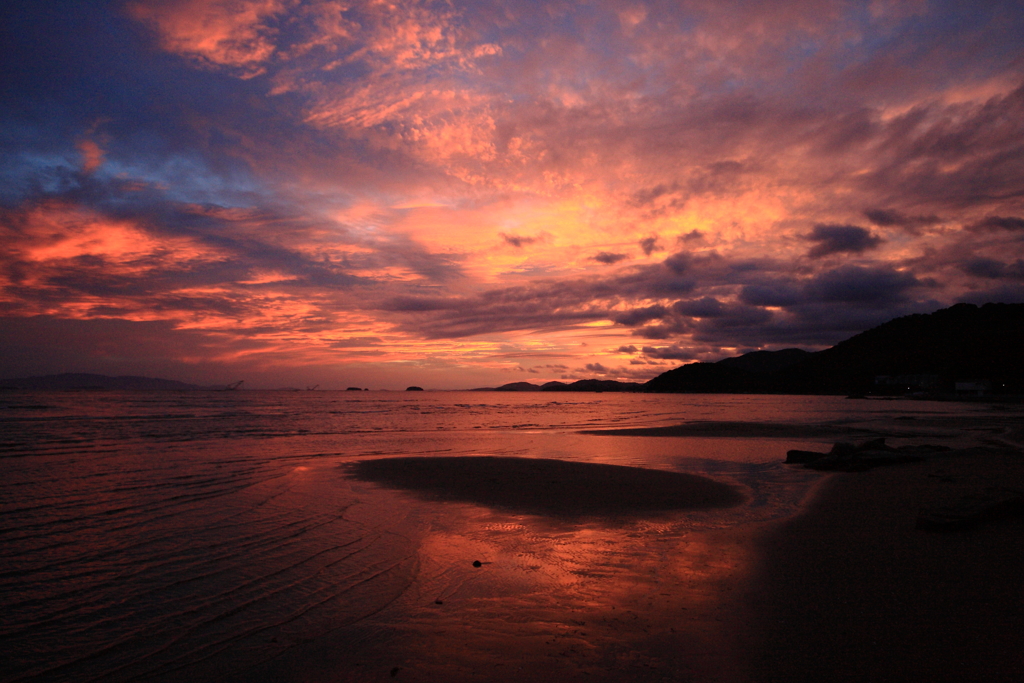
221, 536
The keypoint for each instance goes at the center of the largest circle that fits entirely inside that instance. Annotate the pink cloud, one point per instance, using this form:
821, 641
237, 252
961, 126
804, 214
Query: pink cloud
222, 33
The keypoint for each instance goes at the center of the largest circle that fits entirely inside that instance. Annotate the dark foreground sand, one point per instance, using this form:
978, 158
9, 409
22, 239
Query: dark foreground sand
554, 488
852, 590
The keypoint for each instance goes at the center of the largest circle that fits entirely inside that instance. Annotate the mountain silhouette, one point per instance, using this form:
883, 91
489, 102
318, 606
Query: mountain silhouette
929, 353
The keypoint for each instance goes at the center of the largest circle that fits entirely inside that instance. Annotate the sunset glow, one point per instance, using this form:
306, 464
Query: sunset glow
458, 195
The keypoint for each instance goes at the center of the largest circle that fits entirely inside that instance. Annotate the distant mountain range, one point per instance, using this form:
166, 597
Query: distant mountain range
89, 382
980, 348
579, 385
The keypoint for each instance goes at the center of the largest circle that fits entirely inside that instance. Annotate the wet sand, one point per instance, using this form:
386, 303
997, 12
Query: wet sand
851, 589
742, 430
555, 488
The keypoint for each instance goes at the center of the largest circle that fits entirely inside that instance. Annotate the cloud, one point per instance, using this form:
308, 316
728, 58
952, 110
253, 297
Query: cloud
950, 156
92, 155
678, 263
650, 244
608, 258
517, 241
706, 307
308, 175
113, 248
673, 352
419, 304
213, 32
356, 342
891, 218
780, 294
840, 239
1006, 293
858, 285
641, 315
991, 269
991, 223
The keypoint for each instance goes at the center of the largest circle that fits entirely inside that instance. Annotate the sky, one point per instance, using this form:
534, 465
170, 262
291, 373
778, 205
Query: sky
465, 194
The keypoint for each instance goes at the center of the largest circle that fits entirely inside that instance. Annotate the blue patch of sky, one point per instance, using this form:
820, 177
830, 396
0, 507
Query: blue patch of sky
187, 178
26, 174
945, 26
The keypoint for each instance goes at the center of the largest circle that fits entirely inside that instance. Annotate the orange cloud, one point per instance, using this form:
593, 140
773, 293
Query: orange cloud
58, 232
92, 155
228, 33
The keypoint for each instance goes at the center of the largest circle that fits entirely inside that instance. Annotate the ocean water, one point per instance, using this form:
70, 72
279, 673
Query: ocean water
209, 536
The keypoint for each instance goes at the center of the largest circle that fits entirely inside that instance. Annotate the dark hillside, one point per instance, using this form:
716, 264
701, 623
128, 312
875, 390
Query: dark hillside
960, 343
957, 344
752, 373
766, 361
710, 378
593, 385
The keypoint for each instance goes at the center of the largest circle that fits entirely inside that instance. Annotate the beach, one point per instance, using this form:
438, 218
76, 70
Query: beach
322, 537
858, 586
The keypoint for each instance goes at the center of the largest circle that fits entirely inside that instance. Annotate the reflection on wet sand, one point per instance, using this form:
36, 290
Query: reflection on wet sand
592, 605
550, 487
546, 570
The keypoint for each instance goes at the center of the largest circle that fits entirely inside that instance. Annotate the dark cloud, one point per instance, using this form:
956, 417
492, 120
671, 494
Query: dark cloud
840, 239
658, 331
707, 307
993, 270
420, 304
649, 245
780, 294
626, 349
547, 305
673, 352
891, 218
648, 196
876, 286
998, 223
732, 317
1010, 293
678, 263
517, 241
812, 309
638, 316
608, 258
